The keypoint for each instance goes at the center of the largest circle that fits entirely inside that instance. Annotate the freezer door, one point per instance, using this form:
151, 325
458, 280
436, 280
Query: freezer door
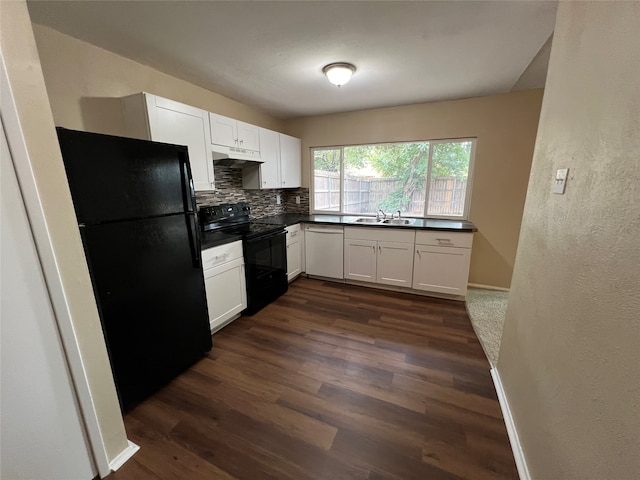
149, 285
114, 178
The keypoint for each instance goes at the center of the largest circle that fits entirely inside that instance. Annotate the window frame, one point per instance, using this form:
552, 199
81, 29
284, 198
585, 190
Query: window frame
340, 148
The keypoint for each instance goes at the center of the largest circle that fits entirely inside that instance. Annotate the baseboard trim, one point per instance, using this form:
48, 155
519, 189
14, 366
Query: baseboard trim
516, 447
487, 287
123, 456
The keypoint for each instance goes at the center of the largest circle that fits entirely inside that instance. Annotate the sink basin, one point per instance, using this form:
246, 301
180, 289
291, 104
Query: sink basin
366, 220
399, 221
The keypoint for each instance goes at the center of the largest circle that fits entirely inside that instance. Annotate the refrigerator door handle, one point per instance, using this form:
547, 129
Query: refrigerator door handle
193, 240
187, 184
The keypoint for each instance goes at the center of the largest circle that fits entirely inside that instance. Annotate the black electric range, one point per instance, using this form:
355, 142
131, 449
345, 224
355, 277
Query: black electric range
265, 250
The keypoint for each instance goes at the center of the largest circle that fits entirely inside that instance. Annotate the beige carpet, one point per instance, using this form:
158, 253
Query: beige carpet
487, 310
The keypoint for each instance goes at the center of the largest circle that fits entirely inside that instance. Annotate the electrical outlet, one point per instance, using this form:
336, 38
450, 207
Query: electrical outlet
278, 199
298, 199
560, 182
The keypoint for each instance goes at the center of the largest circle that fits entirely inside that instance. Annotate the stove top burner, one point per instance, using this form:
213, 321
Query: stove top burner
251, 230
234, 218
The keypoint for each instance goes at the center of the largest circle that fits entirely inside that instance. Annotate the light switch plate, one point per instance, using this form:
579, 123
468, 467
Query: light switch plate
278, 199
560, 182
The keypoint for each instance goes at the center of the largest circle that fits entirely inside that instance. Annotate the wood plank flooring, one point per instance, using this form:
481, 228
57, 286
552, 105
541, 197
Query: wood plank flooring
330, 382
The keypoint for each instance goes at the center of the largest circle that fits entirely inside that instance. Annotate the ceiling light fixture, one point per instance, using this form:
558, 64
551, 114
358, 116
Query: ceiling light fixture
339, 73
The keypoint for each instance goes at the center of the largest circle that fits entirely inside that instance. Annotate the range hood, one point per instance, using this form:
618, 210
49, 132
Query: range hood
235, 157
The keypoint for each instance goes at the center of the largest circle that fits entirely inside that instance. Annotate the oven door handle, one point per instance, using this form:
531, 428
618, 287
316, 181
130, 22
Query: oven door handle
266, 236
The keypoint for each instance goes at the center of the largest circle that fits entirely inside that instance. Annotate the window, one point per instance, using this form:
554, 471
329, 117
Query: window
420, 179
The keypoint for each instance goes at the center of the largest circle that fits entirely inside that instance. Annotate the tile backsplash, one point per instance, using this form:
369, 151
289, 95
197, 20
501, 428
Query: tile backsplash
262, 202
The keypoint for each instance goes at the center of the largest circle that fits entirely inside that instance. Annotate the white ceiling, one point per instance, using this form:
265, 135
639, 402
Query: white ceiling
270, 55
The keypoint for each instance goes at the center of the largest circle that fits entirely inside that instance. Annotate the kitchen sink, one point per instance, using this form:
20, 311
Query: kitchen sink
388, 221
366, 220
399, 221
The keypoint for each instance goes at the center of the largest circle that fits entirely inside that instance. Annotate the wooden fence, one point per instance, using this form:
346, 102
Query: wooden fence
365, 195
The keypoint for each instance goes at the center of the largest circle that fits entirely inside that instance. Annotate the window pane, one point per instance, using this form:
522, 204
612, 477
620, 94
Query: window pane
389, 177
326, 179
449, 176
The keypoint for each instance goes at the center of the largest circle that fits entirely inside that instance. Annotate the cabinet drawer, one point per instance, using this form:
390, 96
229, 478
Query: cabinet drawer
293, 233
221, 254
444, 239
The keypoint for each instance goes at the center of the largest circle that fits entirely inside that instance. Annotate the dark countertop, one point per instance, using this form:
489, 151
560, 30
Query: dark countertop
288, 219
213, 239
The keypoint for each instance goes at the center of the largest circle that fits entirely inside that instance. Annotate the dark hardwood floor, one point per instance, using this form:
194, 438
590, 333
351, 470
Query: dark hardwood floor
330, 382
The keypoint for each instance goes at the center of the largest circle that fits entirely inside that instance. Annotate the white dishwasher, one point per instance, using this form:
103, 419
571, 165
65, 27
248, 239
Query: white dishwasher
324, 246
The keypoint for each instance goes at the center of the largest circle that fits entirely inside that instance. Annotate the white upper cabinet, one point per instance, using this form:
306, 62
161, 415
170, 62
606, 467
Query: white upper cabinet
282, 168
290, 161
150, 117
248, 136
267, 174
233, 133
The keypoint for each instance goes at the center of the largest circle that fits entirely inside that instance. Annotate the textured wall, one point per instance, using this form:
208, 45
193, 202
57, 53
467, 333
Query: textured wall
570, 355
505, 126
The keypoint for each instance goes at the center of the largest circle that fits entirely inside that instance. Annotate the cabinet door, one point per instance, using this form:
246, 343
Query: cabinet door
360, 260
290, 161
248, 137
294, 259
395, 264
173, 122
441, 269
224, 130
226, 292
270, 154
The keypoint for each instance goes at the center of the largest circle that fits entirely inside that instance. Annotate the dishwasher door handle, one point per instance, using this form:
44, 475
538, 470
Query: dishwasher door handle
321, 230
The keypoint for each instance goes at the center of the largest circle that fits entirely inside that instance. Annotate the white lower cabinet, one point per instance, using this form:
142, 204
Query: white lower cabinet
441, 262
360, 259
379, 255
294, 252
395, 263
225, 283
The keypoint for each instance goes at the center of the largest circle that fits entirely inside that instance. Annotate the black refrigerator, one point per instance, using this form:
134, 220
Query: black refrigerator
136, 212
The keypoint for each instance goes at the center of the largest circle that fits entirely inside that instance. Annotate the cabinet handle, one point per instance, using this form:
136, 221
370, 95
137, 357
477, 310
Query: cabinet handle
241, 142
444, 241
380, 249
418, 253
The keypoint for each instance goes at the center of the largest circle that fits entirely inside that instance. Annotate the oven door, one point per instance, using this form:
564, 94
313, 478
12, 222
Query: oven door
266, 269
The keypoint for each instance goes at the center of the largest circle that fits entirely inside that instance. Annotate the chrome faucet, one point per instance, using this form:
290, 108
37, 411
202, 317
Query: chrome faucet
398, 213
384, 215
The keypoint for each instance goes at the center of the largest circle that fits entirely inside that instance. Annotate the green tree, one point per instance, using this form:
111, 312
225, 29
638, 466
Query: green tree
328, 160
451, 159
406, 162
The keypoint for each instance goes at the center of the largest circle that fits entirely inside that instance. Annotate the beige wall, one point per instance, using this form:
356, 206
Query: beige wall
84, 83
570, 355
505, 126
44, 187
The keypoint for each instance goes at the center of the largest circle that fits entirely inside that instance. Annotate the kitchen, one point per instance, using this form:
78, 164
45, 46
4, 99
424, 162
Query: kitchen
507, 122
